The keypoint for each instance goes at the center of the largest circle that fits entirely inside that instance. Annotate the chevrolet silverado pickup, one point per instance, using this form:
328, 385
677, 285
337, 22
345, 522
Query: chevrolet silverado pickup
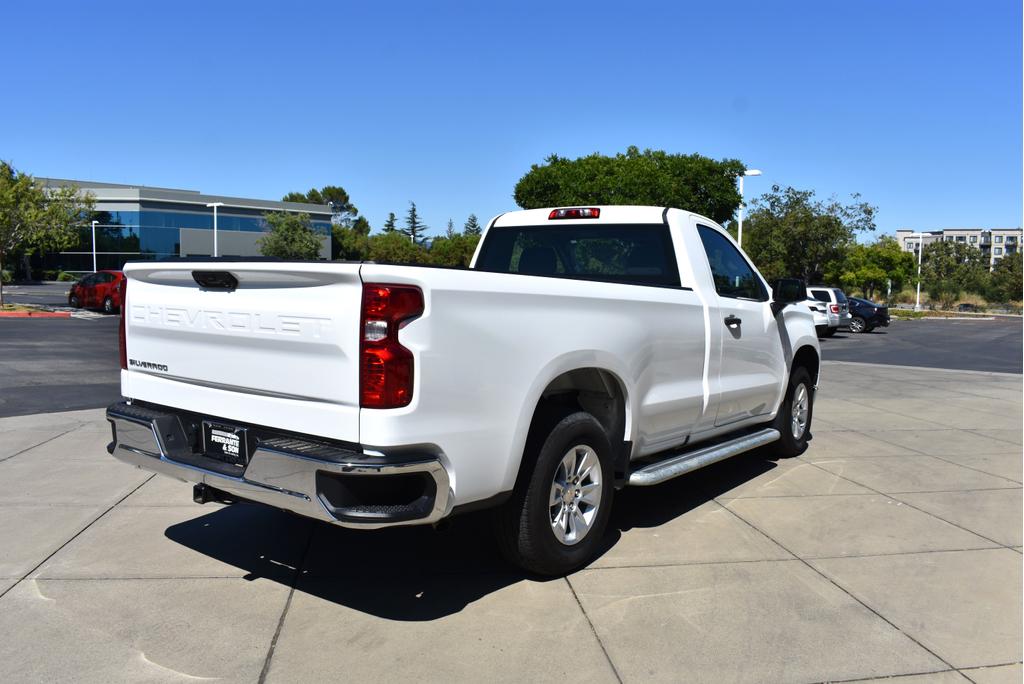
586, 349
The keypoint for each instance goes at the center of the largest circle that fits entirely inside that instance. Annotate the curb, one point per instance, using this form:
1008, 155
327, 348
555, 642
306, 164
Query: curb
920, 368
35, 314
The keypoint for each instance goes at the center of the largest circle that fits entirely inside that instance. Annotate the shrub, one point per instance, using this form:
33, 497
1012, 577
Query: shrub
66, 277
6, 277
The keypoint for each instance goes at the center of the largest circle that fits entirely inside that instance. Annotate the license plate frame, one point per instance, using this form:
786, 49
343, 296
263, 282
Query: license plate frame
226, 443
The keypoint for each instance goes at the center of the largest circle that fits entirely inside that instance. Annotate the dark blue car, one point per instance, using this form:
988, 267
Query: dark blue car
866, 315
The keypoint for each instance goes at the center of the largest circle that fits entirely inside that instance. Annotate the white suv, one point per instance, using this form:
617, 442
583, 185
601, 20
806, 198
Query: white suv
838, 308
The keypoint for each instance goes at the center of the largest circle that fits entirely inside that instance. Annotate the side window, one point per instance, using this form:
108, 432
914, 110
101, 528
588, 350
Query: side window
821, 296
733, 275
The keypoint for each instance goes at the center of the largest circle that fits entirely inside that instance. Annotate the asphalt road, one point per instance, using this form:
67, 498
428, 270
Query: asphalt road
57, 364
994, 346
65, 364
41, 294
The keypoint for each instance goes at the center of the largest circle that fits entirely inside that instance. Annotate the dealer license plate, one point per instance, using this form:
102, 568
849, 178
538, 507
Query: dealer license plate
225, 443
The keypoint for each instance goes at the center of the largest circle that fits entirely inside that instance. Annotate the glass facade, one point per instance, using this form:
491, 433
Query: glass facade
151, 233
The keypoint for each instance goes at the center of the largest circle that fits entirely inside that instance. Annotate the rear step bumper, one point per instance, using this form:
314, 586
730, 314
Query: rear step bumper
344, 487
674, 466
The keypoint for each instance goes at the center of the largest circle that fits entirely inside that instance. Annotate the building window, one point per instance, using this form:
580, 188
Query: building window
997, 251
961, 238
1010, 240
999, 239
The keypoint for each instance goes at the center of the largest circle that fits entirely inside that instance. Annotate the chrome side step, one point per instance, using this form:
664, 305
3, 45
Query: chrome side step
686, 462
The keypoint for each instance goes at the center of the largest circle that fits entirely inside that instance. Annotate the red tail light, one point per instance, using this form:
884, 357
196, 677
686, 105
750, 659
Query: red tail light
385, 366
122, 289
834, 308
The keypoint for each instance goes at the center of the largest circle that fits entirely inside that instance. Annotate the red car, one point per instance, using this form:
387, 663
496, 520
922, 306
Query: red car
100, 290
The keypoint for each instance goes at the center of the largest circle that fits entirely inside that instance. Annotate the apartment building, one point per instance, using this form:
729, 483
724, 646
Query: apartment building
994, 243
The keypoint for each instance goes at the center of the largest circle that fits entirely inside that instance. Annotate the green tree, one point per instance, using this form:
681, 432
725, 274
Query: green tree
414, 229
396, 248
455, 251
351, 243
291, 236
869, 267
335, 195
450, 232
1005, 284
472, 226
33, 217
390, 225
790, 233
652, 177
950, 268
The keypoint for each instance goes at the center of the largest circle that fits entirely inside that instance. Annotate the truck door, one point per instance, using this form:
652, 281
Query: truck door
751, 367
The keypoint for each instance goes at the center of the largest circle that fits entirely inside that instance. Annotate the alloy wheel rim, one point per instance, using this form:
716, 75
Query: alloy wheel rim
800, 411
856, 325
575, 494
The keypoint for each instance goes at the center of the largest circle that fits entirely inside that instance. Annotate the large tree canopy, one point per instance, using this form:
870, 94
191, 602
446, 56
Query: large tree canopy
652, 177
872, 267
950, 268
790, 233
33, 217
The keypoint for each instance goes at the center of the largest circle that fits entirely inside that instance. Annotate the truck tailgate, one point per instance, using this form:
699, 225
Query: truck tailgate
281, 349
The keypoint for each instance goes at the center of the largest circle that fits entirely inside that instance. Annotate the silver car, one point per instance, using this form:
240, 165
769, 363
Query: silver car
837, 305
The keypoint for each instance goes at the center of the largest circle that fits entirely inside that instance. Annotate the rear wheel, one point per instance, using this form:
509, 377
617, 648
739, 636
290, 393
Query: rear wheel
858, 325
74, 302
557, 515
794, 418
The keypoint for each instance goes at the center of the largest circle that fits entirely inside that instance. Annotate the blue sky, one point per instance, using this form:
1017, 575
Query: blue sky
915, 104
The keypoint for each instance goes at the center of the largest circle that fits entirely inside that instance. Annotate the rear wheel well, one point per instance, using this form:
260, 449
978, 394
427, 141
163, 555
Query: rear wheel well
593, 390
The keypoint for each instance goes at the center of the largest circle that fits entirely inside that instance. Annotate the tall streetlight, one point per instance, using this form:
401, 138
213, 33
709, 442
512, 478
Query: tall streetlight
94, 246
215, 205
739, 231
920, 252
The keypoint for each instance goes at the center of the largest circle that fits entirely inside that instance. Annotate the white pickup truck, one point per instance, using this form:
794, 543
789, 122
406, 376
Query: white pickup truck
585, 350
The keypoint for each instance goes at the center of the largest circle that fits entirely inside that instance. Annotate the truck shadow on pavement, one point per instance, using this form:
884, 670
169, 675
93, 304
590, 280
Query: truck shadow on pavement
417, 573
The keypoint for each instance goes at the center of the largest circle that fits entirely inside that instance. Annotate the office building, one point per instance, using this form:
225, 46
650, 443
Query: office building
141, 222
994, 243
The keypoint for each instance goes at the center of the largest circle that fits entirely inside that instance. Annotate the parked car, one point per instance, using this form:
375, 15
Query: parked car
585, 350
867, 315
100, 290
826, 322
837, 304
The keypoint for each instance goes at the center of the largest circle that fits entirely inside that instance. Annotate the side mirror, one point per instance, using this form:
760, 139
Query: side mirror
787, 291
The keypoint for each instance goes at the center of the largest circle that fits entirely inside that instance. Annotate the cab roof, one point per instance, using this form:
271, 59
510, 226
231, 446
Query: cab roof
609, 215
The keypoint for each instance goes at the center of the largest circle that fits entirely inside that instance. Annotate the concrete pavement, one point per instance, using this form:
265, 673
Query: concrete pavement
892, 547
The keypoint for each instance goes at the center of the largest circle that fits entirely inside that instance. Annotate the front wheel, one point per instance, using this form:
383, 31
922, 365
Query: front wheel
108, 306
794, 418
829, 332
74, 302
858, 325
557, 515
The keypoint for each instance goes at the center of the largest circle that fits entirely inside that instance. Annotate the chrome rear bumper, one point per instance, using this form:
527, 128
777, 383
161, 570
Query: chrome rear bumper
286, 473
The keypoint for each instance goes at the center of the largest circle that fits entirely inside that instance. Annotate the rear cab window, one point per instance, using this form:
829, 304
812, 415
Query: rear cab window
632, 254
821, 296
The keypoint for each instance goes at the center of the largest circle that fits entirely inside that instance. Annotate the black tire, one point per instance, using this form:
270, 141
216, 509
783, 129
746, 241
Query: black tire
790, 445
859, 325
108, 306
829, 332
819, 330
869, 328
524, 524
74, 302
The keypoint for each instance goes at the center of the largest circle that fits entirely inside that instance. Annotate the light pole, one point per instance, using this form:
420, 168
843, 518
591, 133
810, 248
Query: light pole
94, 246
215, 205
739, 230
920, 252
